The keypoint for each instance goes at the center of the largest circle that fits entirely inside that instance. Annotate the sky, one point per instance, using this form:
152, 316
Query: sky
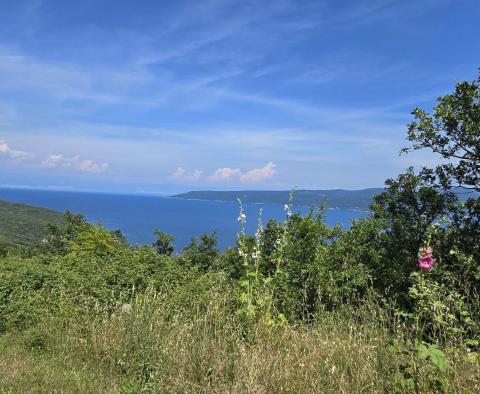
170, 96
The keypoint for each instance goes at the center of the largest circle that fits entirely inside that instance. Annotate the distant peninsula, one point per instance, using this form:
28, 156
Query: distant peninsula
338, 198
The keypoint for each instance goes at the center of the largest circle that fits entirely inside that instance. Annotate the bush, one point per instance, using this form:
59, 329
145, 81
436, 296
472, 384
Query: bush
36, 341
347, 268
440, 314
3, 250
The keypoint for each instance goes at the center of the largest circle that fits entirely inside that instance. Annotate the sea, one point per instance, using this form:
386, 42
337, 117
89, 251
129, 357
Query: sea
137, 216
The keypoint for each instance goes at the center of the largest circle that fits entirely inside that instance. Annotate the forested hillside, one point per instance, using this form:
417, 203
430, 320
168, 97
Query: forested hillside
344, 199
25, 224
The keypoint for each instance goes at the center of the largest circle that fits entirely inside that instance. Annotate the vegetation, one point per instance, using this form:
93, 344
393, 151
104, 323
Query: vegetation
344, 199
24, 224
389, 305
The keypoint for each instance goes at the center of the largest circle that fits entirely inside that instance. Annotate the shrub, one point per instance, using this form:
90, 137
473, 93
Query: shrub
36, 341
164, 243
3, 250
347, 268
201, 252
440, 314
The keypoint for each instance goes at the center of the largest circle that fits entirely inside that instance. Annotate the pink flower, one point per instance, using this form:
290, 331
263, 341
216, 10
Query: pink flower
425, 259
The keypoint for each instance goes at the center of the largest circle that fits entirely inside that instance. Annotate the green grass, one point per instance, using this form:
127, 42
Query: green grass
25, 224
152, 351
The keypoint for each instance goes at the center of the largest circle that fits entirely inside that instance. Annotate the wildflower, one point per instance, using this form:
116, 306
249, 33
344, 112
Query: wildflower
242, 217
425, 258
288, 210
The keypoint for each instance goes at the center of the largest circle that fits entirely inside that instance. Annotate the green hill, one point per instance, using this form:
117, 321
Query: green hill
345, 199
25, 224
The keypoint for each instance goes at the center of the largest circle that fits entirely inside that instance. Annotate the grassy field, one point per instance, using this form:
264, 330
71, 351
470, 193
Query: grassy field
24, 224
151, 350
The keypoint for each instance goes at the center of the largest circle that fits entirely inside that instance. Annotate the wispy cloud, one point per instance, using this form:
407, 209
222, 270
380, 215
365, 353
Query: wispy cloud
62, 81
53, 161
359, 67
16, 155
371, 11
180, 174
75, 163
313, 87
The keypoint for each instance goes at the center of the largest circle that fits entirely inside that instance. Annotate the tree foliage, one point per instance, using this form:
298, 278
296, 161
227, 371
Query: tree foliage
453, 133
164, 243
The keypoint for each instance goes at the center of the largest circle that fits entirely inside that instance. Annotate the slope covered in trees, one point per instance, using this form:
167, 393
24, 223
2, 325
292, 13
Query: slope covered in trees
25, 224
344, 199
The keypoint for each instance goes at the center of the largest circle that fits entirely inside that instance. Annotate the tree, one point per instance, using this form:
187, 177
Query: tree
202, 252
164, 243
118, 235
59, 236
407, 208
453, 132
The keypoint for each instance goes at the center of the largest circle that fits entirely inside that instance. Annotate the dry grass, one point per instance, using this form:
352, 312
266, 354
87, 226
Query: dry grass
148, 351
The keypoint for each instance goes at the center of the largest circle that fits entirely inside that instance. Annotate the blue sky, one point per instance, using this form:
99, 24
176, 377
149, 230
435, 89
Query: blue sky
152, 96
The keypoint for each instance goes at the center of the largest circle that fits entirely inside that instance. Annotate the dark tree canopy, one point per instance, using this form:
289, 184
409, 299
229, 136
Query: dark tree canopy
453, 132
164, 243
202, 251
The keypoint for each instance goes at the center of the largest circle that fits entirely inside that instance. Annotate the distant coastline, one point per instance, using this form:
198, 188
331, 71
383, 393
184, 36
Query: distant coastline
357, 200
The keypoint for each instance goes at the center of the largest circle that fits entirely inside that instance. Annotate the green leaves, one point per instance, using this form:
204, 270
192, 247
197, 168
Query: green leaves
432, 353
441, 313
164, 243
453, 133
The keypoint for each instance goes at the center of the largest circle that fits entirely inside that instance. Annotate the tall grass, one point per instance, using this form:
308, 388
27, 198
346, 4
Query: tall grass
203, 349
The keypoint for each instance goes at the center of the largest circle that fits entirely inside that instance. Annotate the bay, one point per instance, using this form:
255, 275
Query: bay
139, 215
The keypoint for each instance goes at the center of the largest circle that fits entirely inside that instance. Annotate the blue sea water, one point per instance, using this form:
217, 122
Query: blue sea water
138, 216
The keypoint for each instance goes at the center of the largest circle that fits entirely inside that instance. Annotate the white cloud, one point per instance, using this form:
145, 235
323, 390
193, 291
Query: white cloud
52, 161
259, 174
197, 174
225, 174
87, 165
254, 175
180, 174
12, 153
75, 163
